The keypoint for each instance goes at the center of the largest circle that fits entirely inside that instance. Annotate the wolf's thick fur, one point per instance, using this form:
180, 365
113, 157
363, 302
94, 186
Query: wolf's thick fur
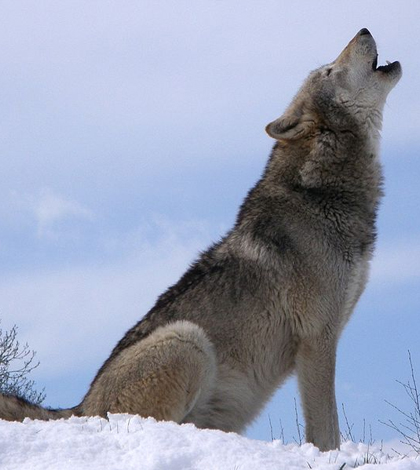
273, 296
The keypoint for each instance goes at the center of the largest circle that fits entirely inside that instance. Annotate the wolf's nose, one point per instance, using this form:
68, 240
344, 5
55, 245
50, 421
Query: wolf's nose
364, 31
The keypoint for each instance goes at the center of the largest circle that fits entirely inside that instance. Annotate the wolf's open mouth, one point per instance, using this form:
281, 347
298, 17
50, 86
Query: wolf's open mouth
384, 68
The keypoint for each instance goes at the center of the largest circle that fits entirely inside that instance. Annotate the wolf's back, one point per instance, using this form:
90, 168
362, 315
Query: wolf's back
13, 408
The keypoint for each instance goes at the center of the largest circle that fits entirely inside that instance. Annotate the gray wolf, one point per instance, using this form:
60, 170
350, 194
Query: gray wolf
271, 297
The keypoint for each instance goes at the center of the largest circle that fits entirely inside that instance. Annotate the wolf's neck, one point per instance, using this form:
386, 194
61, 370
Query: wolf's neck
371, 128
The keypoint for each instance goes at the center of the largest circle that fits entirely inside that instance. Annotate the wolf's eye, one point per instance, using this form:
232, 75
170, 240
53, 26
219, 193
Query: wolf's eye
328, 72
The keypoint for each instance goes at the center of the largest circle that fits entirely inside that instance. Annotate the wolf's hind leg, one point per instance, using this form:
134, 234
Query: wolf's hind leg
163, 376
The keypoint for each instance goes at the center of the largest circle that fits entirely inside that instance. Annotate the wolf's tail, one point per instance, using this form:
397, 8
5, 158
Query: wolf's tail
13, 408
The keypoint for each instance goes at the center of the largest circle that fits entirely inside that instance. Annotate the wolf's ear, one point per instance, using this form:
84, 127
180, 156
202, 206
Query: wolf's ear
292, 125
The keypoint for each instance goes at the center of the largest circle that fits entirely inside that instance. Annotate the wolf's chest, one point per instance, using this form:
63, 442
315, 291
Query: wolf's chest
357, 280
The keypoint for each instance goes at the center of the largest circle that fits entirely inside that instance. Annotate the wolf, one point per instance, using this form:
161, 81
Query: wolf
273, 295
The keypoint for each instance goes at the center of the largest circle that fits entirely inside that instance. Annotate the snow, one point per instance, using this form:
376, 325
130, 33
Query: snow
130, 442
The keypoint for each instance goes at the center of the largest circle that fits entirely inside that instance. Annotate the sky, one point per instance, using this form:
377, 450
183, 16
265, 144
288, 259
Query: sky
131, 131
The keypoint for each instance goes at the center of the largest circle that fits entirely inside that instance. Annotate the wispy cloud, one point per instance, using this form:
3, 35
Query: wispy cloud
51, 214
51, 209
61, 312
396, 263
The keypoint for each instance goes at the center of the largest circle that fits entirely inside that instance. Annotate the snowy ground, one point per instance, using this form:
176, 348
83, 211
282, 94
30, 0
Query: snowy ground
129, 442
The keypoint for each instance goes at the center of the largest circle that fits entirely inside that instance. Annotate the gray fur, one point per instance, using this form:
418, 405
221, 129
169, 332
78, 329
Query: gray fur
272, 297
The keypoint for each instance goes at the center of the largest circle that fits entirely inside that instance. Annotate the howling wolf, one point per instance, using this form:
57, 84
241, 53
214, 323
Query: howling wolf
272, 297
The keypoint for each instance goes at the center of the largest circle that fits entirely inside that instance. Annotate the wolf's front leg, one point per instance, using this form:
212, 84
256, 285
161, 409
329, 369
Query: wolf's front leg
315, 363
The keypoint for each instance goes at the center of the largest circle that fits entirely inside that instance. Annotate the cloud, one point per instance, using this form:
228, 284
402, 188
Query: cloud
73, 316
50, 215
51, 209
396, 263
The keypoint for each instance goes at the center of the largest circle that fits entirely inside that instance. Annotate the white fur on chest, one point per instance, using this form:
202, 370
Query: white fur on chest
356, 284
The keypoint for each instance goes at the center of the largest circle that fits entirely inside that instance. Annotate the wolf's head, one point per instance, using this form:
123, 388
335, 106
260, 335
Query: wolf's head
347, 95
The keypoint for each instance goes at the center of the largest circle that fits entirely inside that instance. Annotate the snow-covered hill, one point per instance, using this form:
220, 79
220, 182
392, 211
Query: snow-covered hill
130, 442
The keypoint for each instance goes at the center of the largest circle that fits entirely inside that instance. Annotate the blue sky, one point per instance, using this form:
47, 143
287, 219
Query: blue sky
129, 134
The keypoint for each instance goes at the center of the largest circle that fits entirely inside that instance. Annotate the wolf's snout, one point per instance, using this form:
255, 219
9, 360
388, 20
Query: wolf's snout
364, 31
